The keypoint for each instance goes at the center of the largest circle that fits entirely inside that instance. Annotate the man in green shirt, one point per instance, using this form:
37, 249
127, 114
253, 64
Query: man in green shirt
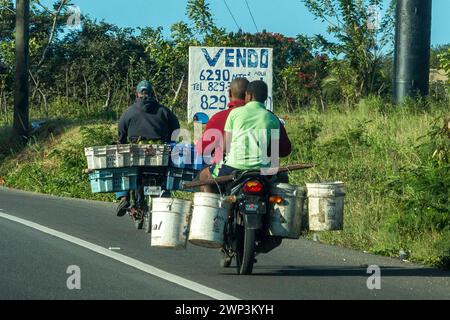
251, 133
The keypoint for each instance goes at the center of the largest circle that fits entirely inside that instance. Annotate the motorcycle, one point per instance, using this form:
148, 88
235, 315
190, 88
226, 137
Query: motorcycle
151, 185
246, 231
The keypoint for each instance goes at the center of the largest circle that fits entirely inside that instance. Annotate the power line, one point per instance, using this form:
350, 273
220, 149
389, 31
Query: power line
237, 25
251, 15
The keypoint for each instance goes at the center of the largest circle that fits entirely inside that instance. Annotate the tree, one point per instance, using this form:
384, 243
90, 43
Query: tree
444, 60
436, 52
101, 63
298, 71
199, 13
7, 25
45, 26
361, 42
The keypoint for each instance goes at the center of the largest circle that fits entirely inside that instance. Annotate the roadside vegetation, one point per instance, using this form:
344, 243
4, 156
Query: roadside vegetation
335, 98
395, 165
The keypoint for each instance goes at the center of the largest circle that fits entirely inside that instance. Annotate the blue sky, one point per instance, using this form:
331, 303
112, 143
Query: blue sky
289, 17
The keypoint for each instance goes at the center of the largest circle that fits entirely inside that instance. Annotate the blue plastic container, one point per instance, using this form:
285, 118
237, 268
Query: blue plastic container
113, 180
176, 177
184, 156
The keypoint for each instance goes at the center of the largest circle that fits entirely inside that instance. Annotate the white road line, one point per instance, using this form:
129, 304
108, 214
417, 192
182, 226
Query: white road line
215, 294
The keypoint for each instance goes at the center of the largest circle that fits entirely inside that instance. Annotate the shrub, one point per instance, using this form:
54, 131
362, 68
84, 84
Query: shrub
423, 192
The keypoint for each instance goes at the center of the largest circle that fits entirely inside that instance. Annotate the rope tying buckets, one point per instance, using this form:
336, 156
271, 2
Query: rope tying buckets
170, 223
326, 206
208, 220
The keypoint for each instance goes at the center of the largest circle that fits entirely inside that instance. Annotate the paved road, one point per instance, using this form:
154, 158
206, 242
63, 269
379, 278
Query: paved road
41, 236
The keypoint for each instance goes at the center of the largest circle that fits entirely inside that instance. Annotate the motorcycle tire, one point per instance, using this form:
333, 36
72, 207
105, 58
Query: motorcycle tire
139, 224
147, 223
245, 250
147, 215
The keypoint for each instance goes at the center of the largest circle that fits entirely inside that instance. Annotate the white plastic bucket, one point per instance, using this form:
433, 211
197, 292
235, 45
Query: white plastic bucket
170, 223
286, 218
326, 206
208, 220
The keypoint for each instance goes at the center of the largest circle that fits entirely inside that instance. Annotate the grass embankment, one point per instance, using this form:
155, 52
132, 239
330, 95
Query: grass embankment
53, 160
395, 166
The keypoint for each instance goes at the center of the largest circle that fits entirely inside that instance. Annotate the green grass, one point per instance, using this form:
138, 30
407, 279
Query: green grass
394, 162
397, 194
53, 159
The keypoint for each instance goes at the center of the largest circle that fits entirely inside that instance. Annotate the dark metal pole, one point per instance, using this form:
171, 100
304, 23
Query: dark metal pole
412, 48
21, 94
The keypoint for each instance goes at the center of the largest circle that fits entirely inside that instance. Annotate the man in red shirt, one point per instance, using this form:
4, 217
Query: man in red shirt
211, 142
212, 138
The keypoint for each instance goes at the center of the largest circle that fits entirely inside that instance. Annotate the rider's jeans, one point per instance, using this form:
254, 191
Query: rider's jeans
121, 194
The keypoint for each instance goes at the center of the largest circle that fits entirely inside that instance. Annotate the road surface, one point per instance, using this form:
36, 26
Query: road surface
42, 236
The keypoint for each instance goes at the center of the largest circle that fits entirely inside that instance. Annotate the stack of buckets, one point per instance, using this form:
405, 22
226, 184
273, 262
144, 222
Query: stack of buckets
173, 225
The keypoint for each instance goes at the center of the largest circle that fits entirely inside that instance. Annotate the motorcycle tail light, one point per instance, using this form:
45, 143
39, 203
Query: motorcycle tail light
253, 187
275, 199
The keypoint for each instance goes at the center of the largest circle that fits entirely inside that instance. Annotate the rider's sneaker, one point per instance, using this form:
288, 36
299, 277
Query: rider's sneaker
122, 207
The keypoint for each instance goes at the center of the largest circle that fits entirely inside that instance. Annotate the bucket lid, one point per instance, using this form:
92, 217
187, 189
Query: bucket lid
325, 185
207, 195
171, 201
288, 188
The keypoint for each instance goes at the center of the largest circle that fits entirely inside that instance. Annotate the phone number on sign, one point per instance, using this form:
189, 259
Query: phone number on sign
213, 102
215, 75
218, 86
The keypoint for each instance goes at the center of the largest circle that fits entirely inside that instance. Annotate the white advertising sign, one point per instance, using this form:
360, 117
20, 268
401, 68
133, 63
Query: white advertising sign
211, 70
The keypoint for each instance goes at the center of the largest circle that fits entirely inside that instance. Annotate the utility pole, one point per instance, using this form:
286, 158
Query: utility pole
21, 88
412, 48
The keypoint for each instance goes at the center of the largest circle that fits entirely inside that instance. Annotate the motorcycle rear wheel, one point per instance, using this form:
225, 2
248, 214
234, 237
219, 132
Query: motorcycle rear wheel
138, 224
147, 216
245, 250
147, 224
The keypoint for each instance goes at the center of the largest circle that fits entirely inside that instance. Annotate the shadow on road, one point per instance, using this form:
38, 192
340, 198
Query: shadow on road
338, 271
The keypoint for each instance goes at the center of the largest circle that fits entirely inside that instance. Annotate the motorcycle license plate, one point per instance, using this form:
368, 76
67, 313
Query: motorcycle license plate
152, 191
251, 207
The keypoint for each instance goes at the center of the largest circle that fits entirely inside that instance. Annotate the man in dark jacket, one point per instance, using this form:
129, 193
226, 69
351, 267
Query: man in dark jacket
146, 120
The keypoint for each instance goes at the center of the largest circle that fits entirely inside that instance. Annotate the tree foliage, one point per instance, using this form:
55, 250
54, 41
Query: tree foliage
93, 69
362, 39
444, 61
